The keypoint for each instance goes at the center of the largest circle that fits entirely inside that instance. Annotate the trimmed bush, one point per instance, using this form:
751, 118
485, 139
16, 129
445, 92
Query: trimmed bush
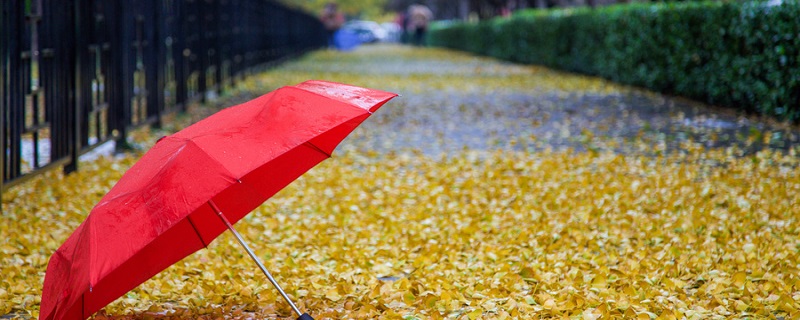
740, 55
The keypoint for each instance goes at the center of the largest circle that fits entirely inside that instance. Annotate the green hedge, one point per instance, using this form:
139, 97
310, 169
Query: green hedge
740, 55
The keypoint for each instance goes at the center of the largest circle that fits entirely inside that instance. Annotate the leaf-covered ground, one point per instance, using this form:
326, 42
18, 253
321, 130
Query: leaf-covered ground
486, 191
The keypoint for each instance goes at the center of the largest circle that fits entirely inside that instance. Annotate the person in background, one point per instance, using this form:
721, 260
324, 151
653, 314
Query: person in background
418, 18
332, 19
402, 21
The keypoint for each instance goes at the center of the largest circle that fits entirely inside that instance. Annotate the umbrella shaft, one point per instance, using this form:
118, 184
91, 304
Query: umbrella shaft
254, 257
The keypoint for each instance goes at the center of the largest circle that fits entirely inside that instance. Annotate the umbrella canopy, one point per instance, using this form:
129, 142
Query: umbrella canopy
166, 206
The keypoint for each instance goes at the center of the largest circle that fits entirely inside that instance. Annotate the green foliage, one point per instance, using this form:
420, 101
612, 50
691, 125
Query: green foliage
740, 55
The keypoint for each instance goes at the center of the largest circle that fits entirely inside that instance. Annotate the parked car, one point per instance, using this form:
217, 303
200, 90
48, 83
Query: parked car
393, 31
367, 31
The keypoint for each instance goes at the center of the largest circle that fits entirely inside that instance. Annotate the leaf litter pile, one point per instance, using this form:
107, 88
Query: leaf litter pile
486, 191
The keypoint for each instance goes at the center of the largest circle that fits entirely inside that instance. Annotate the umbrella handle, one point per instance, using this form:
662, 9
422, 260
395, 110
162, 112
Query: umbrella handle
303, 316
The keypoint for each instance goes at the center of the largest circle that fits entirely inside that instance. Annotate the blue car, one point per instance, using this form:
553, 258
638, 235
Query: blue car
366, 31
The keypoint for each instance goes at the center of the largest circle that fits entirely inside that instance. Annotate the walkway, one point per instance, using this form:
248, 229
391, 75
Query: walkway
406, 233
451, 101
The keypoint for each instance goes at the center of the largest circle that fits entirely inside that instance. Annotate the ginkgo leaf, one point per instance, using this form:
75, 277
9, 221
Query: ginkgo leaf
431, 212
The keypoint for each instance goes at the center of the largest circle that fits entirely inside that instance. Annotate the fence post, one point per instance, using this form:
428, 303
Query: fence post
14, 89
160, 61
4, 52
202, 50
180, 60
77, 91
152, 61
219, 44
124, 62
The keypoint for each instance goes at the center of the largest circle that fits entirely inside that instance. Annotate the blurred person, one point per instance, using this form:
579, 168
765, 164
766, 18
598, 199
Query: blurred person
333, 20
402, 20
418, 18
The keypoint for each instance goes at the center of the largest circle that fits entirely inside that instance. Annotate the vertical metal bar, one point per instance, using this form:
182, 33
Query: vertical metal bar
51, 77
218, 40
138, 83
153, 61
16, 89
106, 34
156, 78
202, 49
231, 28
180, 47
72, 133
77, 87
236, 40
127, 64
190, 54
5, 37
115, 21
35, 85
57, 109
166, 38
253, 256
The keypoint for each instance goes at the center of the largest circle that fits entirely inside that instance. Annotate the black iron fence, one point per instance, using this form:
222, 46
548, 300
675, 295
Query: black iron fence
78, 73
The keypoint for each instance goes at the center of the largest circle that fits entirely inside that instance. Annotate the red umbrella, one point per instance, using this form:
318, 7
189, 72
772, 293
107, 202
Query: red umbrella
191, 186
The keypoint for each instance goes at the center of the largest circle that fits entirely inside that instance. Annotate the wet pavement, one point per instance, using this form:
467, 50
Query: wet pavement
452, 101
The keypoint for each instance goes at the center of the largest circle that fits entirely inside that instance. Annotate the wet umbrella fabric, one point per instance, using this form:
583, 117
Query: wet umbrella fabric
170, 203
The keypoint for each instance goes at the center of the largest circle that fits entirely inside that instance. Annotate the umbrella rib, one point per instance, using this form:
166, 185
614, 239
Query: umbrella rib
189, 218
313, 146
